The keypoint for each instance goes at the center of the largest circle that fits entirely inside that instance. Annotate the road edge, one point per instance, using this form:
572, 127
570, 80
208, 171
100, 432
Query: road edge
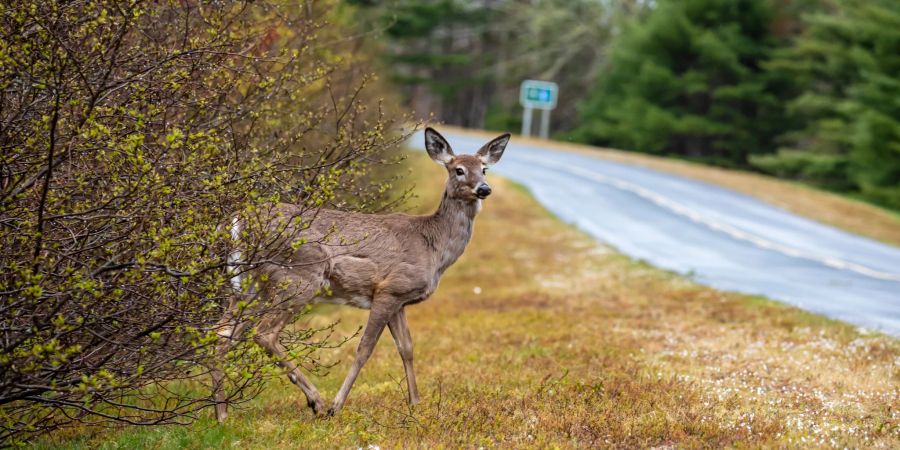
821, 206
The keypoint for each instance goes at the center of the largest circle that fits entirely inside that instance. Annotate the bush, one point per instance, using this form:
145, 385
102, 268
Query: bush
131, 133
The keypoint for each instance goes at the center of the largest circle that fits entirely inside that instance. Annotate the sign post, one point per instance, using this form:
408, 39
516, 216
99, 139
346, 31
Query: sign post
541, 95
526, 121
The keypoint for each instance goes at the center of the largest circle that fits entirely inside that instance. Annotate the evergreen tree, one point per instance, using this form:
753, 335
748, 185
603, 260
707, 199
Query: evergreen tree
687, 79
437, 51
847, 64
464, 60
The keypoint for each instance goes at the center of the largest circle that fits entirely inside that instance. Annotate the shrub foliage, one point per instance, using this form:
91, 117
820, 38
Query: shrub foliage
131, 133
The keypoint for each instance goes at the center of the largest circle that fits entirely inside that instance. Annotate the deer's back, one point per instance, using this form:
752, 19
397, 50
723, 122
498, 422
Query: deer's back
349, 258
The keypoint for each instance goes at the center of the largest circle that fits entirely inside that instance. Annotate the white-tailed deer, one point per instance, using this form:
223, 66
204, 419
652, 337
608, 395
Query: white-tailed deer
382, 263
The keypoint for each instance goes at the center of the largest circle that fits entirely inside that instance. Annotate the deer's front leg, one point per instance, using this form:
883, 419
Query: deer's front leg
378, 318
400, 331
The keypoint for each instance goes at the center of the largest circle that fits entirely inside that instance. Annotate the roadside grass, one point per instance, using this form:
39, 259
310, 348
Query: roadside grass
540, 337
826, 207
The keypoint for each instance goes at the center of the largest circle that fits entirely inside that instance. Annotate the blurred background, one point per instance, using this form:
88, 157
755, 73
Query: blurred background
799, 89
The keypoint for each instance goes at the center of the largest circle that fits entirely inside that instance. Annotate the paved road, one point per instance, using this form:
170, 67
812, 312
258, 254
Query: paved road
721, 238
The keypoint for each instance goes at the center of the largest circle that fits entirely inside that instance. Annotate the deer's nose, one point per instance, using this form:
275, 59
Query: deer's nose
483, 191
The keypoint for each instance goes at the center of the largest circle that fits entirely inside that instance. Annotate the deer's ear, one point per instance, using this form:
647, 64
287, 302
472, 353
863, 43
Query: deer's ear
437, 147
492, 151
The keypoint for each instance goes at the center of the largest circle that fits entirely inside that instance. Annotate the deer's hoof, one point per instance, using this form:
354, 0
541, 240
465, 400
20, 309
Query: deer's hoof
317, 406
221, 413
331, 412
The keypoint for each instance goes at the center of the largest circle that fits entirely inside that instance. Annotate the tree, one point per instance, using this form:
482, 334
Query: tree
438, 52
845, 67
566, 43
463, 60
131, 134
686, 79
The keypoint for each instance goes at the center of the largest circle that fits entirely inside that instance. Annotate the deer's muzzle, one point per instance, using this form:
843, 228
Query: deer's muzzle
483, 191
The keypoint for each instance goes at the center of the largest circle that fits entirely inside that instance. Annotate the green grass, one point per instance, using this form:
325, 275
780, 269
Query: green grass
570, 344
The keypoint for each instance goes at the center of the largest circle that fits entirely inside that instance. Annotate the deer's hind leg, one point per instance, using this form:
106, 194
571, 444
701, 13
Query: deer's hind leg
281, 313
218, 381
268, 340
229, 332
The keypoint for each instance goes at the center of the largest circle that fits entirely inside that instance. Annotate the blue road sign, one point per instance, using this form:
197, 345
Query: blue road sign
538, 94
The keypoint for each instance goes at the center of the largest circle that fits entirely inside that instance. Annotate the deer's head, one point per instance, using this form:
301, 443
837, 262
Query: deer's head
466, 172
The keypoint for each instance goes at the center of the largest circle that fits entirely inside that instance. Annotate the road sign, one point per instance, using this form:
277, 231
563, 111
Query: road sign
538, 94
541, 95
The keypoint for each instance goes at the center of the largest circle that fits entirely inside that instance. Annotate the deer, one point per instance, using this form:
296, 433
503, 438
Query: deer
383, 264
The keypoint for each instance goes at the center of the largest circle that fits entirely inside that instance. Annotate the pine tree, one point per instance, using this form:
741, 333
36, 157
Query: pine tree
436, 52
847, 64
688, 80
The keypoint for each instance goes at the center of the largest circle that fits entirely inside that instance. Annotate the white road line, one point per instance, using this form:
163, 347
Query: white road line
730, 230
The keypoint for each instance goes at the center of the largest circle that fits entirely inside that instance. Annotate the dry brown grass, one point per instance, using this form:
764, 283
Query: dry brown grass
569, 344
822, 206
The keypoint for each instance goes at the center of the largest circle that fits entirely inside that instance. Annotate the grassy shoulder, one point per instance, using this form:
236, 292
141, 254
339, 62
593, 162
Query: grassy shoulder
823, 206
539, 337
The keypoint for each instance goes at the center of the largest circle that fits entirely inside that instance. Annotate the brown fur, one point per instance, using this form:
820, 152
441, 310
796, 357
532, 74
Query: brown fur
377, 262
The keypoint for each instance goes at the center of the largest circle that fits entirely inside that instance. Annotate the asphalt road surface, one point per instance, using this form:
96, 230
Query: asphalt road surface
716, 236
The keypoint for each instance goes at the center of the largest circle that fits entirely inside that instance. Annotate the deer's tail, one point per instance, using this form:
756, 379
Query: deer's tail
234, 257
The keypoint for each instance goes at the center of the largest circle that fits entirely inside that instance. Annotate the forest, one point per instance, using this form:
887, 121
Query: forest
800, 89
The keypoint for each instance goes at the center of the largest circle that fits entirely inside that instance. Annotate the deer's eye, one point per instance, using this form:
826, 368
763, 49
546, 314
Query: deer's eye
460, 171
484, 171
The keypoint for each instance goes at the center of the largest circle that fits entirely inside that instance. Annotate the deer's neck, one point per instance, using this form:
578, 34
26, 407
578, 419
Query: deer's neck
449, 229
